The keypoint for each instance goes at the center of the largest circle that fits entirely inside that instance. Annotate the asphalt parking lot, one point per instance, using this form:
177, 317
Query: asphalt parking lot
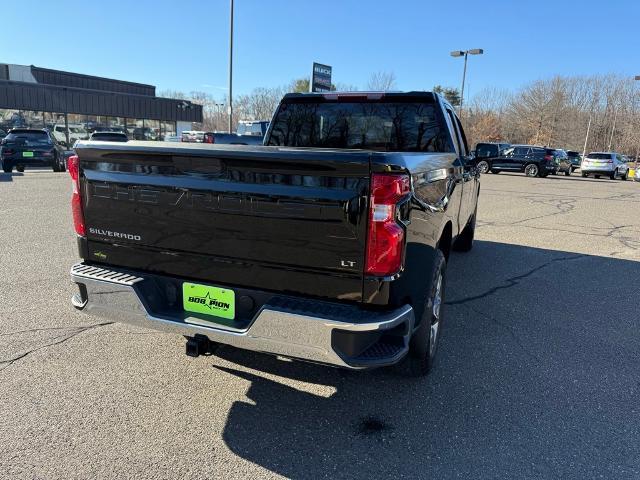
538, 373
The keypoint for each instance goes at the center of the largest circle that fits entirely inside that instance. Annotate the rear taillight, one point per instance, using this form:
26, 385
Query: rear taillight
385, 241
8, 151
548, 157
73, 164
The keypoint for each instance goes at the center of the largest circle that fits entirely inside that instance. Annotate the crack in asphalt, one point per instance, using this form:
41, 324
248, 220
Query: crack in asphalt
563, 206
631, 242
513, 281
509, 330
59, 340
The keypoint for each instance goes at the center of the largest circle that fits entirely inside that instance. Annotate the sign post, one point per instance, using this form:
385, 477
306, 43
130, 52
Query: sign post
320, 78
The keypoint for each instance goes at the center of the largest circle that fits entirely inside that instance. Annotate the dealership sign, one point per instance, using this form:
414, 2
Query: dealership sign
321, 78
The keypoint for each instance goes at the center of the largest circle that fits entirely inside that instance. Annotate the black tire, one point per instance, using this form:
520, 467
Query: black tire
424, 341
20, 168
532, 170
55, 167
482, 166
625, 176
585, 175
568, 173
596, 176
464, 242
7, 168
613, 175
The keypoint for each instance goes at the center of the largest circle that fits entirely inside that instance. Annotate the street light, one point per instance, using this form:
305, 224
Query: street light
230, 110
465, 54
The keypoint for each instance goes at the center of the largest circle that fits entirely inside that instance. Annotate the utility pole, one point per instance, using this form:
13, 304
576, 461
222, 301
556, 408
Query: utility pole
586, 138
615, 118
230, 109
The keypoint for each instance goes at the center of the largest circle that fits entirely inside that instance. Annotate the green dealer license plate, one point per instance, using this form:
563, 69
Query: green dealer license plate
27, 154
219, 302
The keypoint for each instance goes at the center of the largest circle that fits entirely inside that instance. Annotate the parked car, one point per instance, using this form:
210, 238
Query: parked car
109, 136
144, 133
252, 127
564, 162
192, 136
609, 164
335, 253
532, 160
30, 147
575, 157
76, 132
486, 152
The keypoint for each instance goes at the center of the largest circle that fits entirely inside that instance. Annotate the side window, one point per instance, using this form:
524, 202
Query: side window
462, 150
462, 135
520, 151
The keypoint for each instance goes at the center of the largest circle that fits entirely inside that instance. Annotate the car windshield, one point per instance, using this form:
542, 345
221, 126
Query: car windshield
599, 156
28, 138
388, 126
250, 129
111, 136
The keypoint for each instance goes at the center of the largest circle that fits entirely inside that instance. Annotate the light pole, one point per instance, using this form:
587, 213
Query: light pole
218, 107
465, 54
637, 77
230, 109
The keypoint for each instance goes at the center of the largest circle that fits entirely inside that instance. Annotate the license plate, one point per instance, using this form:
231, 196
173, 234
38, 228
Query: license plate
27, 154
215, 301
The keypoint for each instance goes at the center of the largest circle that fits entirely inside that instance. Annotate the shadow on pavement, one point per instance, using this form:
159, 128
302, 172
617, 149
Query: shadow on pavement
8, 177
537, 377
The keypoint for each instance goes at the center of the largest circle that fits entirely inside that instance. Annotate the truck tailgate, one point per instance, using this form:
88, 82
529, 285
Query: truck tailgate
278, 219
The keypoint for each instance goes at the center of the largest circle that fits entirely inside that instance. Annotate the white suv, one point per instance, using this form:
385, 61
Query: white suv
608, 164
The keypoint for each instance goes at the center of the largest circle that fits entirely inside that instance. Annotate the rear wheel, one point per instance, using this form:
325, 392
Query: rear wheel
568, 172
531, 170
613, 175
625, 176
483, 166
20, 168
424, 341
585, 175
7, 168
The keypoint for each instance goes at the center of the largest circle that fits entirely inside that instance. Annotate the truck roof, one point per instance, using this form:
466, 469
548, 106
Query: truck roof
369, 95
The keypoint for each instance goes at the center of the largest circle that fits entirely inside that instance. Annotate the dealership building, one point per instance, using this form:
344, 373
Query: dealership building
73, 105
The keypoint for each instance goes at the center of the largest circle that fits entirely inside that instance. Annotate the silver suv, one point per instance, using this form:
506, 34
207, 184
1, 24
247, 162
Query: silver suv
608, 164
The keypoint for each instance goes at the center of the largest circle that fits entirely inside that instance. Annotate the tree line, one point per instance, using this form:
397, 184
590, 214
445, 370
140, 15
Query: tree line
554, 112
558, 112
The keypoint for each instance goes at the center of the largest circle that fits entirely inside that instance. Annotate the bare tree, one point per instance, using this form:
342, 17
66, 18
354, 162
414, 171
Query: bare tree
382, 81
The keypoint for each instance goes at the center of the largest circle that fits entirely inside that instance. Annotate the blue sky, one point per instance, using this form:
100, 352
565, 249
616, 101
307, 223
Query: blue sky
183, 45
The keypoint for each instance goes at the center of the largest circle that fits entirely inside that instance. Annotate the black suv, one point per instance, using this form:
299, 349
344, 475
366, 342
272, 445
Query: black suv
534, 161
31, 147
486, 152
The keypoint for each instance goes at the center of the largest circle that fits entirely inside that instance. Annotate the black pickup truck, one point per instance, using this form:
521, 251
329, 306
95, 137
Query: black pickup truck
327, 244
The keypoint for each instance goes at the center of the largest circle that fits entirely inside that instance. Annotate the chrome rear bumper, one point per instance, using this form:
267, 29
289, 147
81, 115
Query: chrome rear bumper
115, 294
